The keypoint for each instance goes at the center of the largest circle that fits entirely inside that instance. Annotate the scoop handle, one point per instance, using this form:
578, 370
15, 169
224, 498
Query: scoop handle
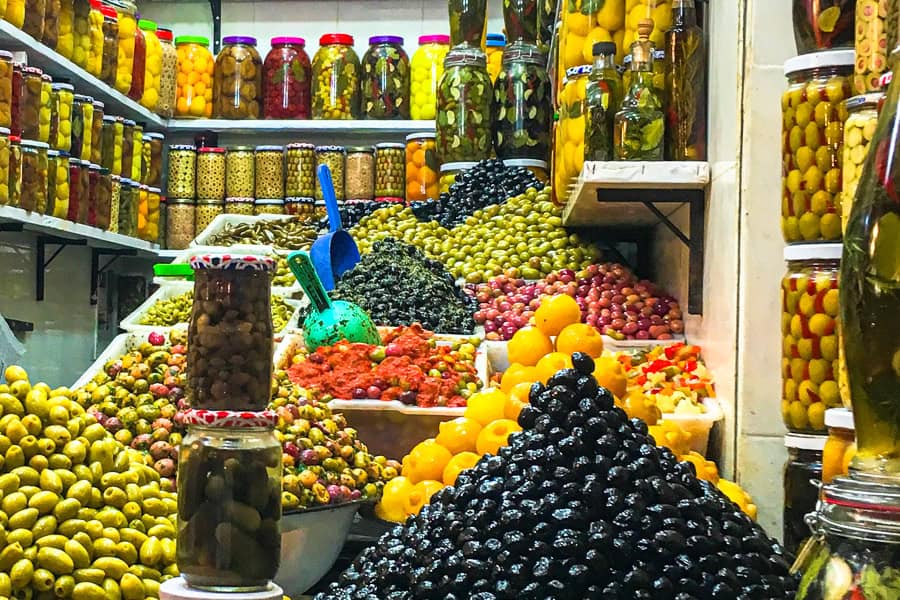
302, 268
334, 213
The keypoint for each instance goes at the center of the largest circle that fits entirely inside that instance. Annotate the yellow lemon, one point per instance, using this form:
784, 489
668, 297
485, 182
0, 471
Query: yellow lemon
551, 363
495, 435
458, 435
458, 464
486, 406
427, 461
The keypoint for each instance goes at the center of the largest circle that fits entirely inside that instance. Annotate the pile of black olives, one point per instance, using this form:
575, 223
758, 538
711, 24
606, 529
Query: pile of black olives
581, 504
354, 212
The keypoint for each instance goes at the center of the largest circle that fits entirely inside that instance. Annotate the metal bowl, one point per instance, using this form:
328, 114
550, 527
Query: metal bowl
311, 541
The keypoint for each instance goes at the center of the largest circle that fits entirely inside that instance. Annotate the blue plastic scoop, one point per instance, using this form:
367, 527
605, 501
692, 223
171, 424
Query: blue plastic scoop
335, 252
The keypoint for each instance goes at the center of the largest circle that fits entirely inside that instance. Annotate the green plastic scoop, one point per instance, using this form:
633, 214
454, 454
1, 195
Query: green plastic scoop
329, 322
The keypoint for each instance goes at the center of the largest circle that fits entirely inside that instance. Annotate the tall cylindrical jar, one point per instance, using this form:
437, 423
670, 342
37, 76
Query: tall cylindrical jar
859, 129
128, 127
522, 105
15, 100
115, 199
206, 212
464, 108
468, 23
57, 184
802, 470
359, 174
30, 103
385, 79
109, 52
46, 109
427, 68
97, 132
65, 41
113, 136
79, 190
182, 174
6, 87
34, 176
153, 158
87, 36
103, 198
300, 170
287, 80
4, 166
81, 125
840, 448
269, 166
422, 168
128, 209
15, 169
211, 173
50, 31
168, 74
180, 223
61, 116
335, 91
240, 172
126, 13
194, 83
334, 158
390, 171
33, 24
153, 63
237, 85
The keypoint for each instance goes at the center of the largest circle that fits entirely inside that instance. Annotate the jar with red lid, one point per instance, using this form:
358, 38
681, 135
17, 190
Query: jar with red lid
287, 78
237, 81
335, 91
30, 102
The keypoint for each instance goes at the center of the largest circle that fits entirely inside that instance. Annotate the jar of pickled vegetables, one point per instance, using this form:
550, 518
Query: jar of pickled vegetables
427, 68
569, 147
127, 221
211, 173
57, 184
115, 198
523, 106
390, 170
15, 103
30, 103
538, 168
359, 174
168, 74
239, 206
79, 190
385, 79
6, 87
126, 12
15, 170
63, 96
237, 84
93, 196
334, 158
151, 230
813, 112
97, 131
152, 65
287, 79
65, 40
268, 206
46, 109
546, 18
464, 102
4, 166
137, 152
113, 136
180, 223
300, 170
153, 159
196, 67
182, 174
87, 36
449, 171
468, 23
50, 31
802, 471
840, 448
809, 318
583, 24
825, 24
33, 24
109, 56
163, 223
128, 127
859, 128
335, 70
421, 167
82, 126
240, 172
299, 207
659, 12
494, 46
269, 167
34, 176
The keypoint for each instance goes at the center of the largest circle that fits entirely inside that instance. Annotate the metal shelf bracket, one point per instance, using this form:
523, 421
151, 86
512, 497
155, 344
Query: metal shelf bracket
97, 269
215, 7
42, 262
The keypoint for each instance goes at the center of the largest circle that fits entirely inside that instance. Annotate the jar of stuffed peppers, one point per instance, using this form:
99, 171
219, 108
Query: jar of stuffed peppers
79, 190
427, 68
875, 38
390, 170
421, 167
126, 14
335, 70
113, 135
137, 152
269, 167
802, 471
814, 112
46, 109
840, 448
268, 206
57, 184
240, 172
6, 87
468, 23
522, 100
97, 131
82, 125
34, 176
211, 174
15, 169
33, 24
239, 206
237, 87
152, 65
128, 207
333, 157
180, 223
464, 107
300, 170
4, 166
859, 128
194, 83
128, 127
182, 174
109, 57
359, 174
165, 107
385, 79
287, 80
61, 116
153, 158
30, 103
65, 40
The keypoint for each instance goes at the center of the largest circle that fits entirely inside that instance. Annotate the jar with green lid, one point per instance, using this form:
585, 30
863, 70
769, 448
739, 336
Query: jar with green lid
333, 157
152, 159
802, 471
385, 79
115, 198
79, 190
493, 50
237, 83
859, 129
449, 171
522, 103
390, 170
206, 211
538, 168
46, 109
299, 207
4, 166
268, 206
468, 23
30, 102
300, 170
15, 170
464, 108
82, 123
180, 225
211, 173
240, 172
269, 166
6, 87
57, 184
196, 68
239, 206
182, 173
128, 127
359, 176
62, 98
427, 69
335, 89
34, 176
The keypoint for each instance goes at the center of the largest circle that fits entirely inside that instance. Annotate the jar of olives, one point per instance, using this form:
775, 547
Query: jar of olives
494, 51
802, 471
61, 103
4, 166
34, 176
237, 87
206, 211
196, 67
814, 112
840, 447
240, 172
30, 102
6, 87
182, 173
859, 128
468, 23
210, 174
464, 107
152, 65
449, 171
271, 206
427, 68
65, 41
152, 153
180, 225
239, 206
57, 184
333, 157
390, 170
522, 100
299, 206
165, 107
421, 167
875, 38
33, 24
15, 169
287, 75
79, 190
109, 57
113, 137
385, 79
360, 174
232, 465
335, 88
300, 170
97, 132
269, 166
45, 110
137, 152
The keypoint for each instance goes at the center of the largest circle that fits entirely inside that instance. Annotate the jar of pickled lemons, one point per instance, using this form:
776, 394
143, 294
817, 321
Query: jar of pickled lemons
569, 146
87, 28
813, 113
862, 118
427, 67
61, 116
6, 88
586, 23
494, 50
65, 39
45, 111
126, 13
113, 139
196, 67
15, 13
152, 65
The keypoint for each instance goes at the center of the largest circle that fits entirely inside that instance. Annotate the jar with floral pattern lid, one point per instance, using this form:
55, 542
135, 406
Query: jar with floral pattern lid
239, 206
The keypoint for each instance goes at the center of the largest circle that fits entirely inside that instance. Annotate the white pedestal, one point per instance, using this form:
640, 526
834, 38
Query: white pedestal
178, 589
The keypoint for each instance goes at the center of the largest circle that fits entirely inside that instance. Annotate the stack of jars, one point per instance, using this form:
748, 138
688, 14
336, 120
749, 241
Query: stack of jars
182, 186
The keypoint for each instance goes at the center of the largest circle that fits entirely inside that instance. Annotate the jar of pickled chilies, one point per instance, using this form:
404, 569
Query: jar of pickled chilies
359, 176
427, 68
421, 167
859, 128
464, 101
385, 79
33, 195
182, 175
6, 87
153, 64
569, 147
300, 170
30, 103
802, 471
168, 74
237, 84
57, 184
287, 79
128, 207
211, 173
196, 67
814, 112
840, 448
269, 167
109, 55
335, 70
240, 172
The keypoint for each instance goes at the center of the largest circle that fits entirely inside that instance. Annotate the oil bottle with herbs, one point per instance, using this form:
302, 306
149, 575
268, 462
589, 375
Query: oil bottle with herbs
603, 97
685, 85
639, 125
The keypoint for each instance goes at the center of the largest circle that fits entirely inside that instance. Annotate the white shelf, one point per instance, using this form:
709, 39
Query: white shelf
58, 67
265, 126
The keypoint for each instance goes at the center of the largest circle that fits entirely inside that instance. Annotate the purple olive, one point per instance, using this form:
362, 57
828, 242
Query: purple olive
408, 397
113, 424
309, 457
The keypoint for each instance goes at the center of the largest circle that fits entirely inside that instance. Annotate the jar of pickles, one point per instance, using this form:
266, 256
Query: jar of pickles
240, 172
57, 184
802, 472
464, 108
826, 24
34, 176
523, 107
82, 126
269, 167
300, 170
211, 174
237, 86
182, 174
385, 79
30, 103
128, 127
50, 30
15, 101
152, 65
15, 170
180, 223
597, 22
46, 109
239, 206
152, 203
116, 193
287, 77
126, 13
421, 168
168, 74
206, 211
335, 70
137, 152
33, 24
153, 159
127, 222
859, 128
113, 136
449, 171
813, 112
569, 147
268, 206
194, 83
494, 52
427, 68
390, 170
299, 207
4, 166
6, 87
65, 40
87, 36
61, 103
840, 448
79, 190
359, 176
333, 157
809, 318
468, 23
93, 197
109, 56
97, 131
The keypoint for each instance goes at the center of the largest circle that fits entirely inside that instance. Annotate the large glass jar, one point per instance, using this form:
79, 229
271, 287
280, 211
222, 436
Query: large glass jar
15, 170
859, 129
152, 65
521, 20
79, 190
194, 83
34, 176
231, 317
211, 173
97, 131
182, 175
148, 208
206, 211
115, 198
153, 159
422, 168
87, 35
335, 70
137, 152
167, 78
385, 79
269, 167
287, 80
82, 126
494, 46
30, 102
840, 448
522, 105
802, 472
46, 109
237, 86
334, 158
128, 149
809, 326
875, 38
300, 170
568, 150
427, 68
128, 200
824, 24
126, 12
109, 56
50, 30
57, 184
390, 170
15, 103
113, 135
180, 225
63, 96
6, 87
138, 66
547, 23
65, 39
359, 176
240, 172
468, 23
464, 108
4, 166
241, 456
604, 21
813, 114
33, 23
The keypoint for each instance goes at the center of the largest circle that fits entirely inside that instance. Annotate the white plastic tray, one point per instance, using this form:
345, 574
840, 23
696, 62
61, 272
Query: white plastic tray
700, 425
121, 344
221, 221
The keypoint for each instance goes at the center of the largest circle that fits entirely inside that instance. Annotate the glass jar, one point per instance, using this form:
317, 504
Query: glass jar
82, 123
538, 168
33, 24
30, 103
182, 173
128, 207
15, 104
87, 36
859, 129
113, 136
4, 166
578, 21
180, 223
237, 87
45, 109
65, 39
824, 24
137, 152
126, 12
875, 38
138, 66
57, 184
61, 116
14, 13
300, 170
521, 20
272, 206
152, 159
211, 173
468, 23
299, 207
385, 79
568, 153
163, 216
109, 57
79, 191
547, 24
287, 77
243, 449
809, 318
93, 194
494, 52
128, 127
658, 69
449, 171
359, 174
15, 170
464, 108
165, 107
152, 65
115, 199
522, 99
149, 198
6, 87
194, 83
97, 131
421, 168
802, 472
334, 158
335, 71
239, 206
840, 448
390, 170
215, 335
813, 114
269, 167
427, 69
240, 172
34, 176
206, 211
50, 30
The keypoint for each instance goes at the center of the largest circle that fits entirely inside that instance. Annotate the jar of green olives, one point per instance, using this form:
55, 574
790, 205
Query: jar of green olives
464, 103
269, 165
240, 172
237, 85
300, 170
385, 79
239, 206
360, 173
62, 98
390, 170
333, 157
523, 108
268, 206
206, 211
113, 136
182, 173
4, 166
34, 176
180, 225
211, 174
57, 184
335, 90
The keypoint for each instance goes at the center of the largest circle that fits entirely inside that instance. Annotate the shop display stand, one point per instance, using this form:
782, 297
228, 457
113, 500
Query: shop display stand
178, 589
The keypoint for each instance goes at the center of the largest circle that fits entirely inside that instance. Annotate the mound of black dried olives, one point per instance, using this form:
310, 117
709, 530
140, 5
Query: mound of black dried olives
354, 212
581, 504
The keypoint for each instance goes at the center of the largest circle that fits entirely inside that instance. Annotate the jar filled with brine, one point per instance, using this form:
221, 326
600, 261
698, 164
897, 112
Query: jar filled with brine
57, 184
87, 36
299, 207
34, 176
148, 213
237, 86
82, 123
359, 177
538, 168
61, 116
421, 167
50, 31
240, 172
194, 83
206, 211
335, 87
15, 102
180, 223
468, 23
79, 190
300, 169
390, 170
30, 103
152, 65
824, 24
182, 171
6, 87
859, 129
93, 197
802, 473
268, 206
97, 132
33, 24
523, 108
211, 173
333, 157
427, 68
269, 166
138, 64
168, 74
287, 80
113, 136
126, 13
239, 206
385, 79
109, 56
464, 103
153, 158
46, 109
128, 207
115, 198
128, 127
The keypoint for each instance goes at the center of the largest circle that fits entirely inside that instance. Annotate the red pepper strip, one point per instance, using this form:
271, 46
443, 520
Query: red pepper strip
657, 365
671, 351
640, 379
689, 366
857, 594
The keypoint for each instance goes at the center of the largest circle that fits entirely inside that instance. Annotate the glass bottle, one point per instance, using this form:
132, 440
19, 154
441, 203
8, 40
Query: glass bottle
522, 106
547, 23
639, 125
802, 470
685, 85
603, 97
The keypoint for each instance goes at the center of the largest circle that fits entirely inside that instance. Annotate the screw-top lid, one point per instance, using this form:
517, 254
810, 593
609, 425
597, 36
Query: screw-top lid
813, 251
495, 40
129, 123
330, 149
46, 77
94, 167
579, 70
840, 418
63, 86
98, 104
32, 71
270, 148
818, 60
4, 130
230, 419
300, 146
862, 101
182, 148
192, 39
154, 190
299, 200
269, 201
434, 39
5, 54
35, 144
385, 39
109, 12
604, 48
390, 146
336, 38
422, 135
359, 149
457, 166
83, 99
151, 135
802, 441
241, 148
211, 150
237, 200
232, 40
164, 34
286, 40
51, 153
147, 25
